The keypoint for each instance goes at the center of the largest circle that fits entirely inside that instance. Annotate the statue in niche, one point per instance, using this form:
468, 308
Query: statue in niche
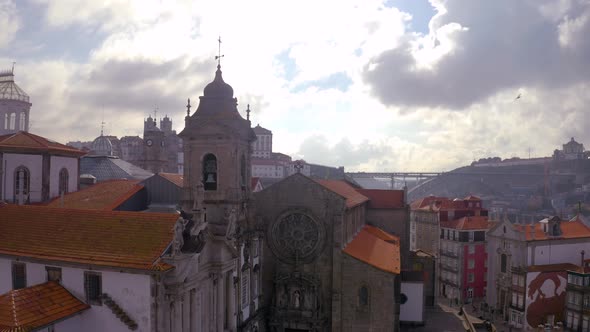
178, 237
296, 299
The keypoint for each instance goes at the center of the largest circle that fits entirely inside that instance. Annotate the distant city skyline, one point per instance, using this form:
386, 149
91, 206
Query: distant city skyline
368, 85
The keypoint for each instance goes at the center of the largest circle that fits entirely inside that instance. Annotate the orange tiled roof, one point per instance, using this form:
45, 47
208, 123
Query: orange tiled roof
574, 229
374, 250
468, 223
30, 308
438, 203
177, 179
344, 189
383, 235
384, 199
133, 240
24, 141
106, 195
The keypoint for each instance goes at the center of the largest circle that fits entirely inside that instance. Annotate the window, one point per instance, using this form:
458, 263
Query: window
22, 122
503, 262
470, 293
93, 287
471, 277
53, 274
19, 275
13, 121
471, 249
245, 288
471, 264
63, 181
471, 236
363, 296
210, 172
22, 178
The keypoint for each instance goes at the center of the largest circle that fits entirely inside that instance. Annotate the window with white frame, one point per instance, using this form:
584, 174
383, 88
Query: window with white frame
471, 249
471, 277
471, 264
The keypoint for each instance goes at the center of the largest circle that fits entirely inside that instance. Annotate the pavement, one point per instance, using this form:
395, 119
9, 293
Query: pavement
440, 318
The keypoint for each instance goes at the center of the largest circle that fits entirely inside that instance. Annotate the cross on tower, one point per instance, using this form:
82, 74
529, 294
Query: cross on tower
155, 113
188, 108
102, 123
219, 55
248, 113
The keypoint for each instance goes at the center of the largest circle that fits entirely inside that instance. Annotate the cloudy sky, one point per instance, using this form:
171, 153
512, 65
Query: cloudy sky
396, 85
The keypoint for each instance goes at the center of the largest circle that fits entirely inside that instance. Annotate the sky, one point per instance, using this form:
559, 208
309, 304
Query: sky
396, 85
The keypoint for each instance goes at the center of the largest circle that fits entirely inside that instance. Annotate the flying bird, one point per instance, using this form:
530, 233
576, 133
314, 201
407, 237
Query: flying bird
518, 97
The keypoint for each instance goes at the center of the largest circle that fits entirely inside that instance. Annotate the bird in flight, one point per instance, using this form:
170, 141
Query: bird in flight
518, 97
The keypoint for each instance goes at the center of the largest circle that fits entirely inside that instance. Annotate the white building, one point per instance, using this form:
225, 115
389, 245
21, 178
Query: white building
517, 251
122, 270
262, 147
14, 105
34, 169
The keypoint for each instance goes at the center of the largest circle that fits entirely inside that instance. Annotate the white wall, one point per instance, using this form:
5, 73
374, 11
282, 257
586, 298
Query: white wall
57, 163
33, 163
413, 309
548, 253
130, 291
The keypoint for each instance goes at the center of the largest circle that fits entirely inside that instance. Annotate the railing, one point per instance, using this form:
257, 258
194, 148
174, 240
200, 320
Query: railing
119, 312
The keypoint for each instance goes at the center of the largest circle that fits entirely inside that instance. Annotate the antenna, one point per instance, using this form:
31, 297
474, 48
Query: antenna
13, 63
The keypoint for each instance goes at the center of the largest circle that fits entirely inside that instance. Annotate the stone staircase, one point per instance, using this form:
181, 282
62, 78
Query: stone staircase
119, 312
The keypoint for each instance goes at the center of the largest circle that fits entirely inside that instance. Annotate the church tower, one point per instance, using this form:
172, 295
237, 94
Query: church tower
14, 105
154, 157
217, 147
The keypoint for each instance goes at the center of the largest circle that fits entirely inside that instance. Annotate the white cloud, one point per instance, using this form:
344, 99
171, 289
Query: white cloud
9, 21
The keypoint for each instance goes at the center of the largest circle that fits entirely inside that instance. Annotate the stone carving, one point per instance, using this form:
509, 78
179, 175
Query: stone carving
296, 238
178, 236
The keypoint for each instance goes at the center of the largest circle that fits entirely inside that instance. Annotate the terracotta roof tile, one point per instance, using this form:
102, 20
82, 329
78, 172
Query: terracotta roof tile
374, 250
383, 235
344, 189
384, 199
133, 240
468, 223
106, 195
30, 308
24, 141
574, 229
177, 179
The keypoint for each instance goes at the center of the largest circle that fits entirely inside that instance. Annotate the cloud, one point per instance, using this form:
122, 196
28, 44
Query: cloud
9, 21
479, 48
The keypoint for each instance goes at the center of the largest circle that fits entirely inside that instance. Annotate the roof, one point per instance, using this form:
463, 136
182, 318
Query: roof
176, 179
109, 168
573, 229
472, 198
261, 131
26, 142
384, 199
344, 189
468, 223
106, 195
552, 267
383, 235
122, 239
374, 250
30, 308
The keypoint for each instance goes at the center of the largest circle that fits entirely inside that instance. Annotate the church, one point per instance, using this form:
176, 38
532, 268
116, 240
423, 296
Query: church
300, 255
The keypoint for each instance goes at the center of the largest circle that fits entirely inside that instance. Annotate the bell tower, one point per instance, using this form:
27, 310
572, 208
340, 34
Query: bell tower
217, 148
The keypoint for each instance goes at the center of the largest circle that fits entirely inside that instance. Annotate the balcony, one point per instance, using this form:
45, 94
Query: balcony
449, 268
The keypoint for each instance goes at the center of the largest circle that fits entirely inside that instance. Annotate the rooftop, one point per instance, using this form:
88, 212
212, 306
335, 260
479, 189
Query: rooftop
573, 229
9, 90
374, 247
176, 179
344, 189
30, 308
109, 168
468, 223
384, 199
106, 195
121, 239
26, 142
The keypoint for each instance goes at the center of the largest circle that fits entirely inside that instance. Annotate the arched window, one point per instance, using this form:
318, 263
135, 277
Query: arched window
63, 181
22, 121
363, 297
210, 172
12, 121
503, 262
22, 184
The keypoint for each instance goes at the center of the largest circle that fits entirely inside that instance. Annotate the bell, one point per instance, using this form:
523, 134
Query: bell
210, 178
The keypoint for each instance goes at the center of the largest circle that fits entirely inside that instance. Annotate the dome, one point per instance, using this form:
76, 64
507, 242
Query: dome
102, 146
9, 90
218, 88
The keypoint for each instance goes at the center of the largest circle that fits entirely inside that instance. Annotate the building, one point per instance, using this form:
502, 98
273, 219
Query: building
515, 249
572, 150
262, 147
34, 169
577, 303
428, 212
109, 270
293, 256
15, 105
463, 259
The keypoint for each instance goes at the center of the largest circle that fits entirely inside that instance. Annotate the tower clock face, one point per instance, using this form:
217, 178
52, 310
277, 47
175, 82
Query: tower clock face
149, 142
